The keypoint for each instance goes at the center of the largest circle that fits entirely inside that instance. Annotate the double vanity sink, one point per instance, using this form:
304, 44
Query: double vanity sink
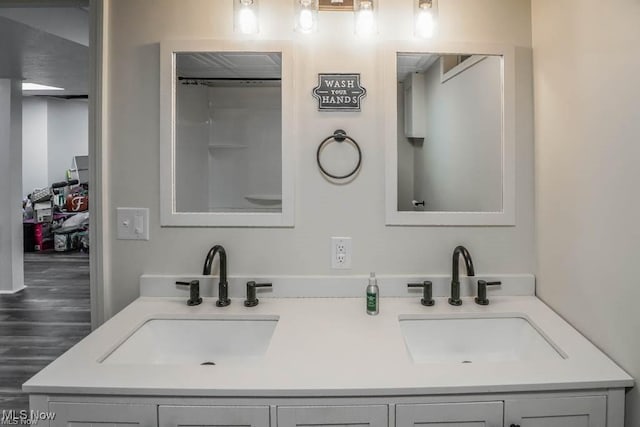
293, 361
220, 340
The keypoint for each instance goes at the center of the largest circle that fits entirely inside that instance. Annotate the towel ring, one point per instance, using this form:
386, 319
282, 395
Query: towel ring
339, 136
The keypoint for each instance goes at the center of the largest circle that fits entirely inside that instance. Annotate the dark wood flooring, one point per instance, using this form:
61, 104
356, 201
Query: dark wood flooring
43, 321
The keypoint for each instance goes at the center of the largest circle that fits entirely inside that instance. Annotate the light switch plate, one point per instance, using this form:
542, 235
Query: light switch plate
133, 223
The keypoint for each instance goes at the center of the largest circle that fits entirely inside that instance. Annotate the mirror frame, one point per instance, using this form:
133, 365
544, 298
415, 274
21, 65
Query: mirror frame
505, 217
168, 215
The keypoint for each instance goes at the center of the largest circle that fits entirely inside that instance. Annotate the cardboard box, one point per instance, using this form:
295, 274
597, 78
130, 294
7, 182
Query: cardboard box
44, 215
42, 205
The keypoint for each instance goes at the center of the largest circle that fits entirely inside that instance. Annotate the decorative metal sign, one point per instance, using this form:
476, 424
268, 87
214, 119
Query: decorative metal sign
339, 92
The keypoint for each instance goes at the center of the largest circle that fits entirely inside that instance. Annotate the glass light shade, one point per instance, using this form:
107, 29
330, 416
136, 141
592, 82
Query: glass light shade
426, 18
246, 13
365, 18
306, 12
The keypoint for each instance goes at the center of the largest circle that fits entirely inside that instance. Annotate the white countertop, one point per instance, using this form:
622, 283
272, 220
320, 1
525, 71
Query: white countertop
328, 347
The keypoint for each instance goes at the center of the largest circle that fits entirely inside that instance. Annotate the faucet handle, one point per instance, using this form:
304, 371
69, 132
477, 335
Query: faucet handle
482, 291
427, 293
251, 300
194, 291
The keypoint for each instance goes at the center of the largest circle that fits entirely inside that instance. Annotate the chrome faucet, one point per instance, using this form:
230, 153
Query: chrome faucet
455, 274
223, 286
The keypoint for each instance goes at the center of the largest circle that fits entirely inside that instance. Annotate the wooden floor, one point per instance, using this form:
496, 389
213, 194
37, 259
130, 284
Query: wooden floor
43, 321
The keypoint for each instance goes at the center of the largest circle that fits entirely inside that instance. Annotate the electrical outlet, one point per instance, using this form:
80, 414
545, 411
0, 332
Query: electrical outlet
341, 252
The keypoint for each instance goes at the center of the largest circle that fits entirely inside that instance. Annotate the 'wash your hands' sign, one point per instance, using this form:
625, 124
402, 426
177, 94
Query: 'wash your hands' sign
339, 92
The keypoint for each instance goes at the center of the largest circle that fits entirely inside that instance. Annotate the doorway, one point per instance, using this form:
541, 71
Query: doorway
47, 44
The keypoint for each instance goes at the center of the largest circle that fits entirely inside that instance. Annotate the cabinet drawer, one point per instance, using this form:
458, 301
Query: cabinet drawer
476, 414
586, 411
333, 416
108, 415
228, 416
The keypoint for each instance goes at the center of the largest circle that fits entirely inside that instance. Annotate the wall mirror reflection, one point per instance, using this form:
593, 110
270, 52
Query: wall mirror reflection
227, 142
450, 132
228, 133
451, 149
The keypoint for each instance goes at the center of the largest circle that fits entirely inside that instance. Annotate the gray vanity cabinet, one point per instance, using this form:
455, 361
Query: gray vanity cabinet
228, 416
333, 416
591, 408
112, 415
586, 411
476, 414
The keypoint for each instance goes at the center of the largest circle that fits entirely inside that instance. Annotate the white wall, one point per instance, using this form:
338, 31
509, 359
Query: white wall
54, 131
322, 209
249, 117
67, 135
228, 147
587, 130
34, 144
11, 243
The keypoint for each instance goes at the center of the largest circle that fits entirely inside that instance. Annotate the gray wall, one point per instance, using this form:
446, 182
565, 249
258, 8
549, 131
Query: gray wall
192, 153
322, 209
406, 154
587, 130
458, 168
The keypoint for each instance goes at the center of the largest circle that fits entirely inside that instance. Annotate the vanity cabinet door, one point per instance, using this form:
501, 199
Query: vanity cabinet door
108, 415
588, 411
219, 416
333, 416
476, 414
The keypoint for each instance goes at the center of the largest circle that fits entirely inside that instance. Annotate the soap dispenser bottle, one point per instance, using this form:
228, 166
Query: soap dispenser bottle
372, 295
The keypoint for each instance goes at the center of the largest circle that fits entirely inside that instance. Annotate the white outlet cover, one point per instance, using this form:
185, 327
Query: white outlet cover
341, 259
132, 223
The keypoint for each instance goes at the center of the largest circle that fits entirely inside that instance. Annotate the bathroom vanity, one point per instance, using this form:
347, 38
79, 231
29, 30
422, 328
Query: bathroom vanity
323, 361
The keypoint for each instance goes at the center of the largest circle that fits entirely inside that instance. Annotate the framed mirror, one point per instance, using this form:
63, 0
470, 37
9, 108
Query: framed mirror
450, 135
225, 147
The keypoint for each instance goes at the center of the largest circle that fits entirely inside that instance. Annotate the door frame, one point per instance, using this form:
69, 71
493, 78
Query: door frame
98, 162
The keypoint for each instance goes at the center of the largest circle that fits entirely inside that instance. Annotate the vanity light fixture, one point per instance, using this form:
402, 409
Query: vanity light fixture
426, 18
246, 13
306, 15
365, 17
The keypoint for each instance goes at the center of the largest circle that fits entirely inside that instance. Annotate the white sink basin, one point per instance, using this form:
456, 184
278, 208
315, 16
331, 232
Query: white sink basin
195, 341
478, 339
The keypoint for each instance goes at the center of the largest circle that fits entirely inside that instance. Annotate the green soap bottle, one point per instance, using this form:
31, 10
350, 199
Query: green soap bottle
372, 295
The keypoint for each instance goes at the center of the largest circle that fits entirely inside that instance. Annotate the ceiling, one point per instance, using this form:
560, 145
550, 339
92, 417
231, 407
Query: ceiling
229, 65
414, 63
46, 45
